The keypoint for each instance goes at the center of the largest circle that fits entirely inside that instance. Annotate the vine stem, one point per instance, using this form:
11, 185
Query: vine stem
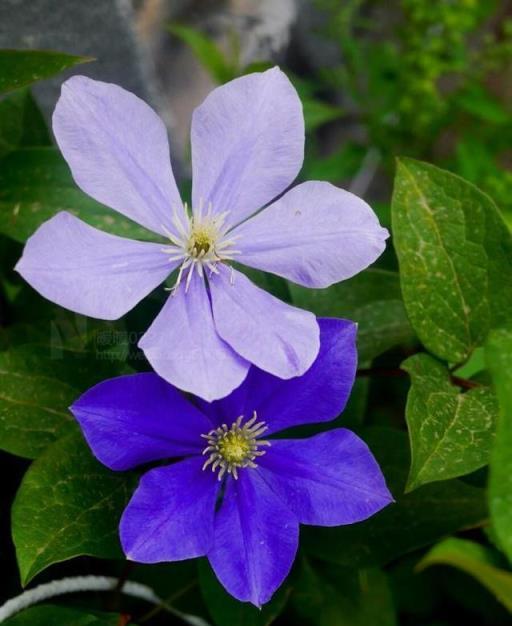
89, 583
396, 372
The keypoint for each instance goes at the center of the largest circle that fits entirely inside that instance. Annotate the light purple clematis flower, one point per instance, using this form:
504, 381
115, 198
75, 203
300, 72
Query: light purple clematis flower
247, 148
246, 523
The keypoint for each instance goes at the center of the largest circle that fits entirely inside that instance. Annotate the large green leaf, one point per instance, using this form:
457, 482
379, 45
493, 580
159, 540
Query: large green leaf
417, 519
334, 596
455, 256
475, 560
226, 611
19, 68
21, 123
451, 433
499, 358
372, 299
68, 505
35, 184
37, 385
46, 615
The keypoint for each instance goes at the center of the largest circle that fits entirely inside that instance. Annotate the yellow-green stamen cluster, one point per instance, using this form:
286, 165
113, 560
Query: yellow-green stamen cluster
230, 449
199, 242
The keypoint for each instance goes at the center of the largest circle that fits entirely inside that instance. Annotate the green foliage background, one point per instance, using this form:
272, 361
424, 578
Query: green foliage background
433, 398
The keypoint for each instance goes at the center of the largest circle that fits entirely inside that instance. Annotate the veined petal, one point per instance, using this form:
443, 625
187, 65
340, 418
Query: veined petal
315, 235
88, 271
255, 540
183, 346
326, 480
118, 152
319, 395
170, 516
247, 144
275, 336
135, 419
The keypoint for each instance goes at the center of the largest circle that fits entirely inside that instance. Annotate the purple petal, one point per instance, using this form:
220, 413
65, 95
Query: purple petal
315, 235
275, 336
88, 271
171, 514
318, 396
255, 542
183, 346
131, 420
247, 143
326, 480
117, 149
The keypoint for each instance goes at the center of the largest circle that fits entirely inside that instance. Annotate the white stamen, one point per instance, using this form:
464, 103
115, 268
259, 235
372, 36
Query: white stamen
233, 448
200, 242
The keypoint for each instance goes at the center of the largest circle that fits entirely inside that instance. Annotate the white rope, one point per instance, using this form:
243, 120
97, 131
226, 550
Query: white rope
88, 583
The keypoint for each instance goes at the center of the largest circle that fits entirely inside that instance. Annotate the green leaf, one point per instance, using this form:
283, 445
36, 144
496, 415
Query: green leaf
35, 184
21, 123
207, 53
455, 256
317, 113
473, 366
19, 68
499, 358
277, 286
372, 299
416, 520
338, 166
177, 583
483, 105
68, 505
451, 432
226, 611
45, 615
334, 596
475, 560
37, 385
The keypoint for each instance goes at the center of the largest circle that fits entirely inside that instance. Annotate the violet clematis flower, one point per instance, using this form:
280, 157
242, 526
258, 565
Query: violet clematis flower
247, 148
236, 497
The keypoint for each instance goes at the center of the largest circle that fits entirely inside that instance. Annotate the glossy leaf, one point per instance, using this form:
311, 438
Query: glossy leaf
415, 520
21, 123
372, 299
475, 560
68, 505
451, 432
455, 256
499, 358
35, 184
19, 68
37, 385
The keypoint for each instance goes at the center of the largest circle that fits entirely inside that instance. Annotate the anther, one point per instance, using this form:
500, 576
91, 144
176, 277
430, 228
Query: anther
235, 447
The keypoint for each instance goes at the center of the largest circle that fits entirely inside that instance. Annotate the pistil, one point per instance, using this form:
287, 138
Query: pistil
230, 449
200, 243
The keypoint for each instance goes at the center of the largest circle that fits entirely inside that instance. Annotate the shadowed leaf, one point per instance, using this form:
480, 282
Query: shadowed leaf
451, 432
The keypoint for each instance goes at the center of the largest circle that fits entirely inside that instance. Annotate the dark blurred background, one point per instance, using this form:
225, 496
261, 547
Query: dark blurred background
377, 78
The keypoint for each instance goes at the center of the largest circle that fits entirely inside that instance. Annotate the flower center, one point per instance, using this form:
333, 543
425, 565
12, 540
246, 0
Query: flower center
232, 448
200, 242
202, 239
